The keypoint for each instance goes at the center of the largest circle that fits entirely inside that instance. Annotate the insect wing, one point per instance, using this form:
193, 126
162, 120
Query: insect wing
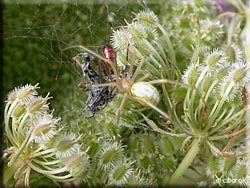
97, 100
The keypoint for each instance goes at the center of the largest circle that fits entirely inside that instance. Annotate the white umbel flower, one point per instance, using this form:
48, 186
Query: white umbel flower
121, 39
147, 17
66, 145
44, 128
239, 73
23, 92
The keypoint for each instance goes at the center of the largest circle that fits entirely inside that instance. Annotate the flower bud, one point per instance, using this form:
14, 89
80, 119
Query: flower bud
25, 91
66, 145
191, 74
78, 165
138, 32
121, 39
37, 105
147, 18
239, 73
18, 111
215, 59
234, 53
44, 128
121, 173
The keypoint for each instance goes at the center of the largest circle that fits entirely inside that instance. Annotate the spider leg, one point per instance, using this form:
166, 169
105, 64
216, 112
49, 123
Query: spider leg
85, 86
111, 64
138, 68
167, 116
103, 71
120, 108
131, 67
146, 75
168, 81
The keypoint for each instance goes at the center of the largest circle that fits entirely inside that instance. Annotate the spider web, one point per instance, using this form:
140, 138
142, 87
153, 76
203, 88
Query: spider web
36, 34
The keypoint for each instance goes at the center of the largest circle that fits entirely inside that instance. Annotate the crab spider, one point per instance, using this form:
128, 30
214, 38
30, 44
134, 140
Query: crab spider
143, 92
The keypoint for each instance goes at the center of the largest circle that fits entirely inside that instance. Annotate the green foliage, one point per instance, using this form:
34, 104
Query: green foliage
187, 126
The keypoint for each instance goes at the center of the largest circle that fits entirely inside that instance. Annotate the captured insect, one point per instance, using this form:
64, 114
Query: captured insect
98, 97
106, 83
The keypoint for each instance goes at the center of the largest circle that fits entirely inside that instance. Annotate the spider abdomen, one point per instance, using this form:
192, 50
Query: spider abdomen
145, 91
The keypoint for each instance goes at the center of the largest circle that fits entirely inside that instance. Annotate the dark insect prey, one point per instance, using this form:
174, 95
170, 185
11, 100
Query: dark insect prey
98, 97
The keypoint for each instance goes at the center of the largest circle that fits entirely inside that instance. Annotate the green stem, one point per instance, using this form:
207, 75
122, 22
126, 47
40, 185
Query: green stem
27, 177
22, 147
157, 129
169, 44
7, 115
167, 116
191, 108
218, 106
10, 170
55, 175
246, 34
186, 162
247, 117
188, 111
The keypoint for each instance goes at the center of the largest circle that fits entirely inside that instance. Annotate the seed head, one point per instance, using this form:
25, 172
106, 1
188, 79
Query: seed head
147, 17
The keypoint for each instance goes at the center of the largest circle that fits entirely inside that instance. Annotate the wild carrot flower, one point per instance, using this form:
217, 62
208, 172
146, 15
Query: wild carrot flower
147, 18
121, 39
31, 129
67, 144
44, 128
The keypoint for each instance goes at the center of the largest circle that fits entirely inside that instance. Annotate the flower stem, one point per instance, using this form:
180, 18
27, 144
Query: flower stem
7, 113
247, 117
10, 170
169, 44
186, 162
22, 147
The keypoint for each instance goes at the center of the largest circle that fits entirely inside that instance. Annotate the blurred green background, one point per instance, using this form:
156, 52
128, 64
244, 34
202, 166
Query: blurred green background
36, 34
